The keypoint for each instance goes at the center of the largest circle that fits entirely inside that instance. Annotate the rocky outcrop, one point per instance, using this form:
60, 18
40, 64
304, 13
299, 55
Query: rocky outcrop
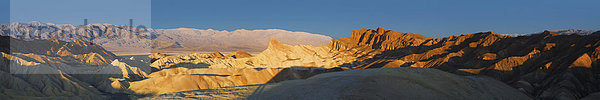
155, 56
391, 83
543, 66
54, 69
545, 61
283, 55
383, 39
185, 79
277, 55
81, 51
239, 54
216, 54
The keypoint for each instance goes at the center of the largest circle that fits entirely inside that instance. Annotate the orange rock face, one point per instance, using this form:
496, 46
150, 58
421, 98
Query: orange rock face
542, 58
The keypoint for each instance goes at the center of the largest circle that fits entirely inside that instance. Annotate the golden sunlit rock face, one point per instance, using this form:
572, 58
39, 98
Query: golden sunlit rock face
540, 59
482, 65
53, 69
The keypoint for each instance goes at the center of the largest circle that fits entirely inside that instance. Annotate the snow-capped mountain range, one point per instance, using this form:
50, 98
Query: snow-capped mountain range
123, 39
564, 32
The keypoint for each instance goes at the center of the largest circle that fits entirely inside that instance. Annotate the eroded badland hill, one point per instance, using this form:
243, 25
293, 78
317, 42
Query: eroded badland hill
372, 64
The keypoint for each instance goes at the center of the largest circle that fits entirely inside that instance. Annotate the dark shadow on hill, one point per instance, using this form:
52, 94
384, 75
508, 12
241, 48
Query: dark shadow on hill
189, 65
294, 73
214, 75
298, 72
558, 58
5, 48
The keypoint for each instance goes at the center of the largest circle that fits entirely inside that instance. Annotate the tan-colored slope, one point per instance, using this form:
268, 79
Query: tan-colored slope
53, 69
277, 55
85, 52
391, 83
41, 81
185, 79
377, 39
541, 59
239, 54
282, 55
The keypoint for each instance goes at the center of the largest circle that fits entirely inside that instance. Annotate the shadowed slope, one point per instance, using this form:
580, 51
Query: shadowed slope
390, 83
551, 61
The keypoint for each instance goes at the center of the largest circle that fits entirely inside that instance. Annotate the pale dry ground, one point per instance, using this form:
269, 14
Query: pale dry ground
233, 92
195, 76
133, 53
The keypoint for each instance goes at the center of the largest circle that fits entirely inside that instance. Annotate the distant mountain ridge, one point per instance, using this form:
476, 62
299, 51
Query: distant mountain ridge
122, 39
577, 31
564, 32
188, 39
545, 65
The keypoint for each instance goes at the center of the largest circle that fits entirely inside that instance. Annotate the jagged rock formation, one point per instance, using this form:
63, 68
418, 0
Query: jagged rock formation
380, 39
277, 55
282, 55
54, 69
391, 83
155, 56
125, 40
545, 65
78, 50
239, 54
196, 71
185, 79
216, 54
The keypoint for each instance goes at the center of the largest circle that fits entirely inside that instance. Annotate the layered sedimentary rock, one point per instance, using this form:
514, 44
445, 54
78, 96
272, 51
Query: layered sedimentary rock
282, 55
277, 55
239, 54
54, 69
383, 39
195, 71
81, 51
185, 79
528, 63
544, 65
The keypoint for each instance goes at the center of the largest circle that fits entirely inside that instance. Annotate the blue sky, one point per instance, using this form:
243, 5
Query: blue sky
4, 11
74, 11
335, 18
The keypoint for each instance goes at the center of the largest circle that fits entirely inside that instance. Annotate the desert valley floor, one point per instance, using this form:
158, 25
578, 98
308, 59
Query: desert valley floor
370, 64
